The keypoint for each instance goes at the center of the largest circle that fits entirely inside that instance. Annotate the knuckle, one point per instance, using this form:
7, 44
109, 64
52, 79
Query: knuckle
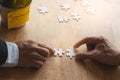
30, 41
102, 38
46, 52
38, 66
42, 58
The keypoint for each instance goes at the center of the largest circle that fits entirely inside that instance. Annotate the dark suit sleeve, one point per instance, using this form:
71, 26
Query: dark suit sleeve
3, 52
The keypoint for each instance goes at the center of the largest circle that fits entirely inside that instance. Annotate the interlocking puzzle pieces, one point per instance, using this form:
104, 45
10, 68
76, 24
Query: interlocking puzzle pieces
64, 6
43, 10
75, 16
62, 19
69, 52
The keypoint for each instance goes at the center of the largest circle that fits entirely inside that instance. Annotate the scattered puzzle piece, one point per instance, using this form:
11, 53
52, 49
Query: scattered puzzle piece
43, 10
70, 52
75, 16
85, 3
62, 19
64, 6
76, 0
90, 10
58, 52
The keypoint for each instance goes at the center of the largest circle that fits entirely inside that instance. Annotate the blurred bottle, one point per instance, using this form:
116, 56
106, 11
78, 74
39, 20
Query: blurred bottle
14, 13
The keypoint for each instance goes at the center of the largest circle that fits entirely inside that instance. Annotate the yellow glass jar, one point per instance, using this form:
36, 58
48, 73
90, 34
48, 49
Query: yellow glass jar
15, 13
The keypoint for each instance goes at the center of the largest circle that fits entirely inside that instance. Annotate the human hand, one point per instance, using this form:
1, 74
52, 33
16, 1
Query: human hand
100, 50
32, 54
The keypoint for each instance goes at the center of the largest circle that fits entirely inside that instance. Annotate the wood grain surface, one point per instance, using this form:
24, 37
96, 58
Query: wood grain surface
47, 30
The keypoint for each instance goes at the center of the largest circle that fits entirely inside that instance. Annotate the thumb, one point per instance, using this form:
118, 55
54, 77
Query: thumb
101, 47
82, 56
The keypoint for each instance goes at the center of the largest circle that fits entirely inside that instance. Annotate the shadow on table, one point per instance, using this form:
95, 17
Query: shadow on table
100, 71
18, 73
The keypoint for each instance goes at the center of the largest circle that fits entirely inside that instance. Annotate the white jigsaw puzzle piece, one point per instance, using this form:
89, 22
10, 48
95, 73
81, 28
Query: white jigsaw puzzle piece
43, 10
58, 52
55, 53
90, 10
85, 3
64, 6
76, 0
62, 19
70, 52
75, 16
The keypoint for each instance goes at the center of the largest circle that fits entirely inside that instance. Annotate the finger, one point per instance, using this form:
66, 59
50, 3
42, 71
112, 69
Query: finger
37, 56
42, 51
49, 48
37, 64
87, 40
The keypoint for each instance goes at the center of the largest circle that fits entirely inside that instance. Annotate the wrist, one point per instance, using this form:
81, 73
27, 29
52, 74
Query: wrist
13, 55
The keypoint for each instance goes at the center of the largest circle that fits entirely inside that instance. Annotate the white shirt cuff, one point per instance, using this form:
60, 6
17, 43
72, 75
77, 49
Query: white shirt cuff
13, 55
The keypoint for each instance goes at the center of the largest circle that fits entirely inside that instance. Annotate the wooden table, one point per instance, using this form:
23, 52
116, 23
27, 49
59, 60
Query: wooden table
47, 30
